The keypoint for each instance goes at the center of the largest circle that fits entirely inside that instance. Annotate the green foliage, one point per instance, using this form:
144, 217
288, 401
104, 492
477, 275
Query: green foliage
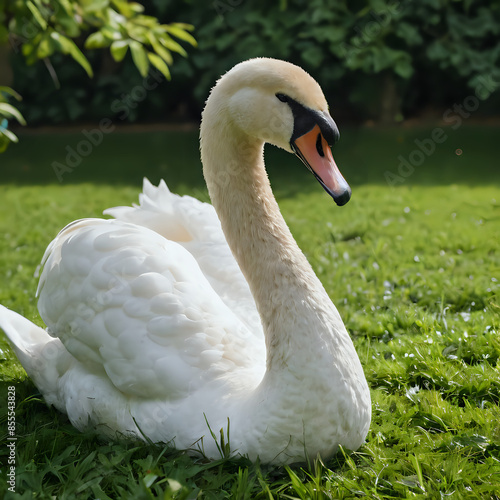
355, 48
42, 28
375, 59
414, 273
39, 29
7, 111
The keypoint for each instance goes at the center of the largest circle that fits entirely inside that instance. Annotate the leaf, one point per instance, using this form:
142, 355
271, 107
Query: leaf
45, 47
140, 57
123, 8
136, 32
68, 46
181, 33
314, 55
159, 49
172, 45
404, 68
438, 50
9, 134
119, 49
11, 92
297, 483
383, 57
160, 64
97, 40
37, 15
475, 442
146, 21
67, 7
184, 26
409, 33
136, 7
418, 469
70, 26
7, 109
149, 479
93, 6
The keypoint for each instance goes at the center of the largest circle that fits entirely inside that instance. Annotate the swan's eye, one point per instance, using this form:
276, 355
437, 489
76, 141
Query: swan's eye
319, 146
283, 97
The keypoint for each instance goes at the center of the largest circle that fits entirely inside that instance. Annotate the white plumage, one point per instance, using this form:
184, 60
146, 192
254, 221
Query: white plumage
161, 322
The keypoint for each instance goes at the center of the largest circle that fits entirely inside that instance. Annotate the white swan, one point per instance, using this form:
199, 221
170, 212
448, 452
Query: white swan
155, 329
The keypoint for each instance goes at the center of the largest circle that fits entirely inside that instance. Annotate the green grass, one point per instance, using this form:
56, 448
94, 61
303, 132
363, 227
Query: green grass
414, 272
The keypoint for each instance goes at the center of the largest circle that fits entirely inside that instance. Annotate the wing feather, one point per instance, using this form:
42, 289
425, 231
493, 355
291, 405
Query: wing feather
196, 227
125, 300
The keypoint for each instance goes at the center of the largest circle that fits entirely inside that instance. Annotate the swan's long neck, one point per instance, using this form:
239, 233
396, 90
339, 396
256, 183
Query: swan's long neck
290, 299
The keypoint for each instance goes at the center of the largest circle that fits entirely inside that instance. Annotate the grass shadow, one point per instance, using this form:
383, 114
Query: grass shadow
383, 156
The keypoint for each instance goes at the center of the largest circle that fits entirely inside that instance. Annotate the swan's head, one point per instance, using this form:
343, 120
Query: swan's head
279, 103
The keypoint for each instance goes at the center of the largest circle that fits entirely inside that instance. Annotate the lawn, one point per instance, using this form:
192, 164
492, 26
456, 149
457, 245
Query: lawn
412, 263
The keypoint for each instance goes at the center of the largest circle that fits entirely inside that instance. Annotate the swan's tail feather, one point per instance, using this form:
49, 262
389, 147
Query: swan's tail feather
22, 333
37, 351
177, 218
156, 210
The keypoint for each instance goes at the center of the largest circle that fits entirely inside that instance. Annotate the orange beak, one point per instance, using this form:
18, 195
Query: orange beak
315, 153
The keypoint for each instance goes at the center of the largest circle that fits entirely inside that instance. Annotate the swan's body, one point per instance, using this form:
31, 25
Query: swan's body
155, 329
